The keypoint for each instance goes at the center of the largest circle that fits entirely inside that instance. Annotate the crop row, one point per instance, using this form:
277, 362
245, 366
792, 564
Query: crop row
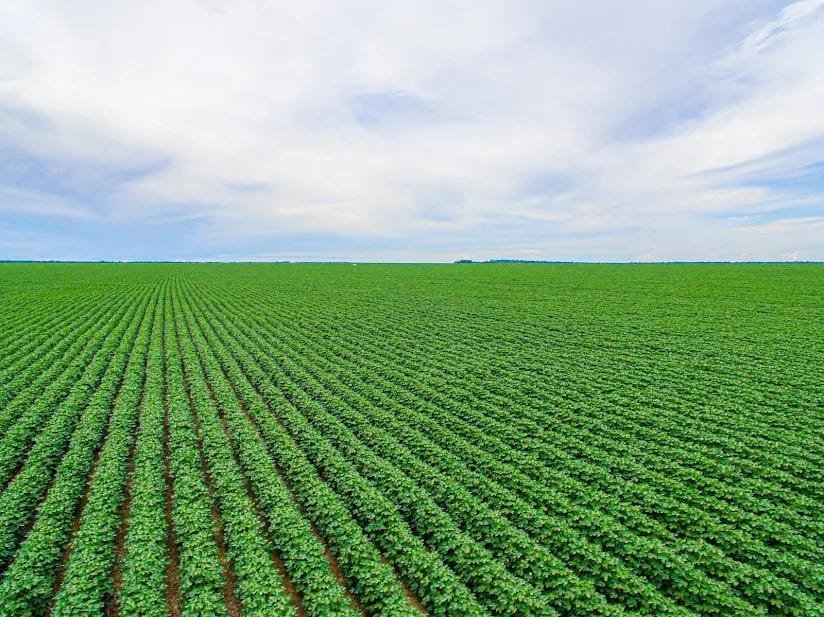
396, 441
48, 381
755, 593
48, 329
518, 413
76, 431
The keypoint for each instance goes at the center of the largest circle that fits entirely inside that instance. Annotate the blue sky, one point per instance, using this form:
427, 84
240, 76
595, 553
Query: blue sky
384, 131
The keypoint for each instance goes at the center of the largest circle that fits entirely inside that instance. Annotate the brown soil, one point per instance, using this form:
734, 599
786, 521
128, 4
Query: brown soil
172, 580
233, 605
288, 585
112, 606
67, 551
335, 566
413, 599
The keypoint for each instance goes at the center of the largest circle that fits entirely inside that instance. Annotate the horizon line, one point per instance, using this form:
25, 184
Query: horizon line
491, 262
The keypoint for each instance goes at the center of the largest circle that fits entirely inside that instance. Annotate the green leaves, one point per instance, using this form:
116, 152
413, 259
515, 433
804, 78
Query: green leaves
29, 581
500, 440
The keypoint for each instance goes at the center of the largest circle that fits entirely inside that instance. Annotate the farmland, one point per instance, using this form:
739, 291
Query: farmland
445, 440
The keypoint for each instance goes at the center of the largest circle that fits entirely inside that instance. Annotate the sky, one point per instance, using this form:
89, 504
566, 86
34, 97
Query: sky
596, 130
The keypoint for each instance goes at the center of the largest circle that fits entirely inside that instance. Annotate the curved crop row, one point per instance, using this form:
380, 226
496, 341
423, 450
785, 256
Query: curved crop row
292, 537
45, 384
28, 584
259, 585
437, 587
87, 581
790, 592
498, 589
143, 585
200, 570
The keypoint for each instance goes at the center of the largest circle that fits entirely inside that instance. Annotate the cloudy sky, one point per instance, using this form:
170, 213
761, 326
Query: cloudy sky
588, 130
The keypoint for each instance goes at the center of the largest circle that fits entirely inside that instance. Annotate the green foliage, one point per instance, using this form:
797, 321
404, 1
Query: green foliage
28, 583
505, 439
144, 564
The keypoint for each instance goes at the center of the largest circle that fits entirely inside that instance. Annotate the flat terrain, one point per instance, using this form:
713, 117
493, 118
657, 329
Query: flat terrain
452, 440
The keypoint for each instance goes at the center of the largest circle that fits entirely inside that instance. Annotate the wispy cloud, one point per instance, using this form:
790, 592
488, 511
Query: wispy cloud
39, 204
428, 130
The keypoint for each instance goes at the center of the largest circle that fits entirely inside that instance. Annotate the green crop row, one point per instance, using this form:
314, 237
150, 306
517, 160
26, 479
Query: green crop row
391, 441
28, 584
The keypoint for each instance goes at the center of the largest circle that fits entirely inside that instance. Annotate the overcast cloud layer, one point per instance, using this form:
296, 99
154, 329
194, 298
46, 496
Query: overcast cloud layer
420, 130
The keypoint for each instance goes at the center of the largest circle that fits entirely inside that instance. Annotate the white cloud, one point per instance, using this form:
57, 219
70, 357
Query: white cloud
42, 204
252, 115
773, 31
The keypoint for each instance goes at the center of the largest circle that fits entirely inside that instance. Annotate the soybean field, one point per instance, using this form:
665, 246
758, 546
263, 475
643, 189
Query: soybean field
452, 440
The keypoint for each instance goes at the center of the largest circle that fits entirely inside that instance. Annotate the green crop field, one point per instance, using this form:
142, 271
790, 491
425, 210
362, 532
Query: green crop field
450, 440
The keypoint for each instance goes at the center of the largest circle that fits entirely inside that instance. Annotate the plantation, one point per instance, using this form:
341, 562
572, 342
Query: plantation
445, 440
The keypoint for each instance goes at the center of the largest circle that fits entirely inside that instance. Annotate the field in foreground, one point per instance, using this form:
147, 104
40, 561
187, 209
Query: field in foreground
450, 440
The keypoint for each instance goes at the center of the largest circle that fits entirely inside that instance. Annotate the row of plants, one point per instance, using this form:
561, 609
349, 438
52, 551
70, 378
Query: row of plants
513, 547
423, 515
28, 485
618, 576
279, 370
518, 384
145, 559
199, 569
45, 384
28, 584
24, 324
87, 581
434, 584
609, 575
291, 535
557, 459
374, 371
50, 333
258, 584
398, 440
581, 354
515, 419
372, 579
